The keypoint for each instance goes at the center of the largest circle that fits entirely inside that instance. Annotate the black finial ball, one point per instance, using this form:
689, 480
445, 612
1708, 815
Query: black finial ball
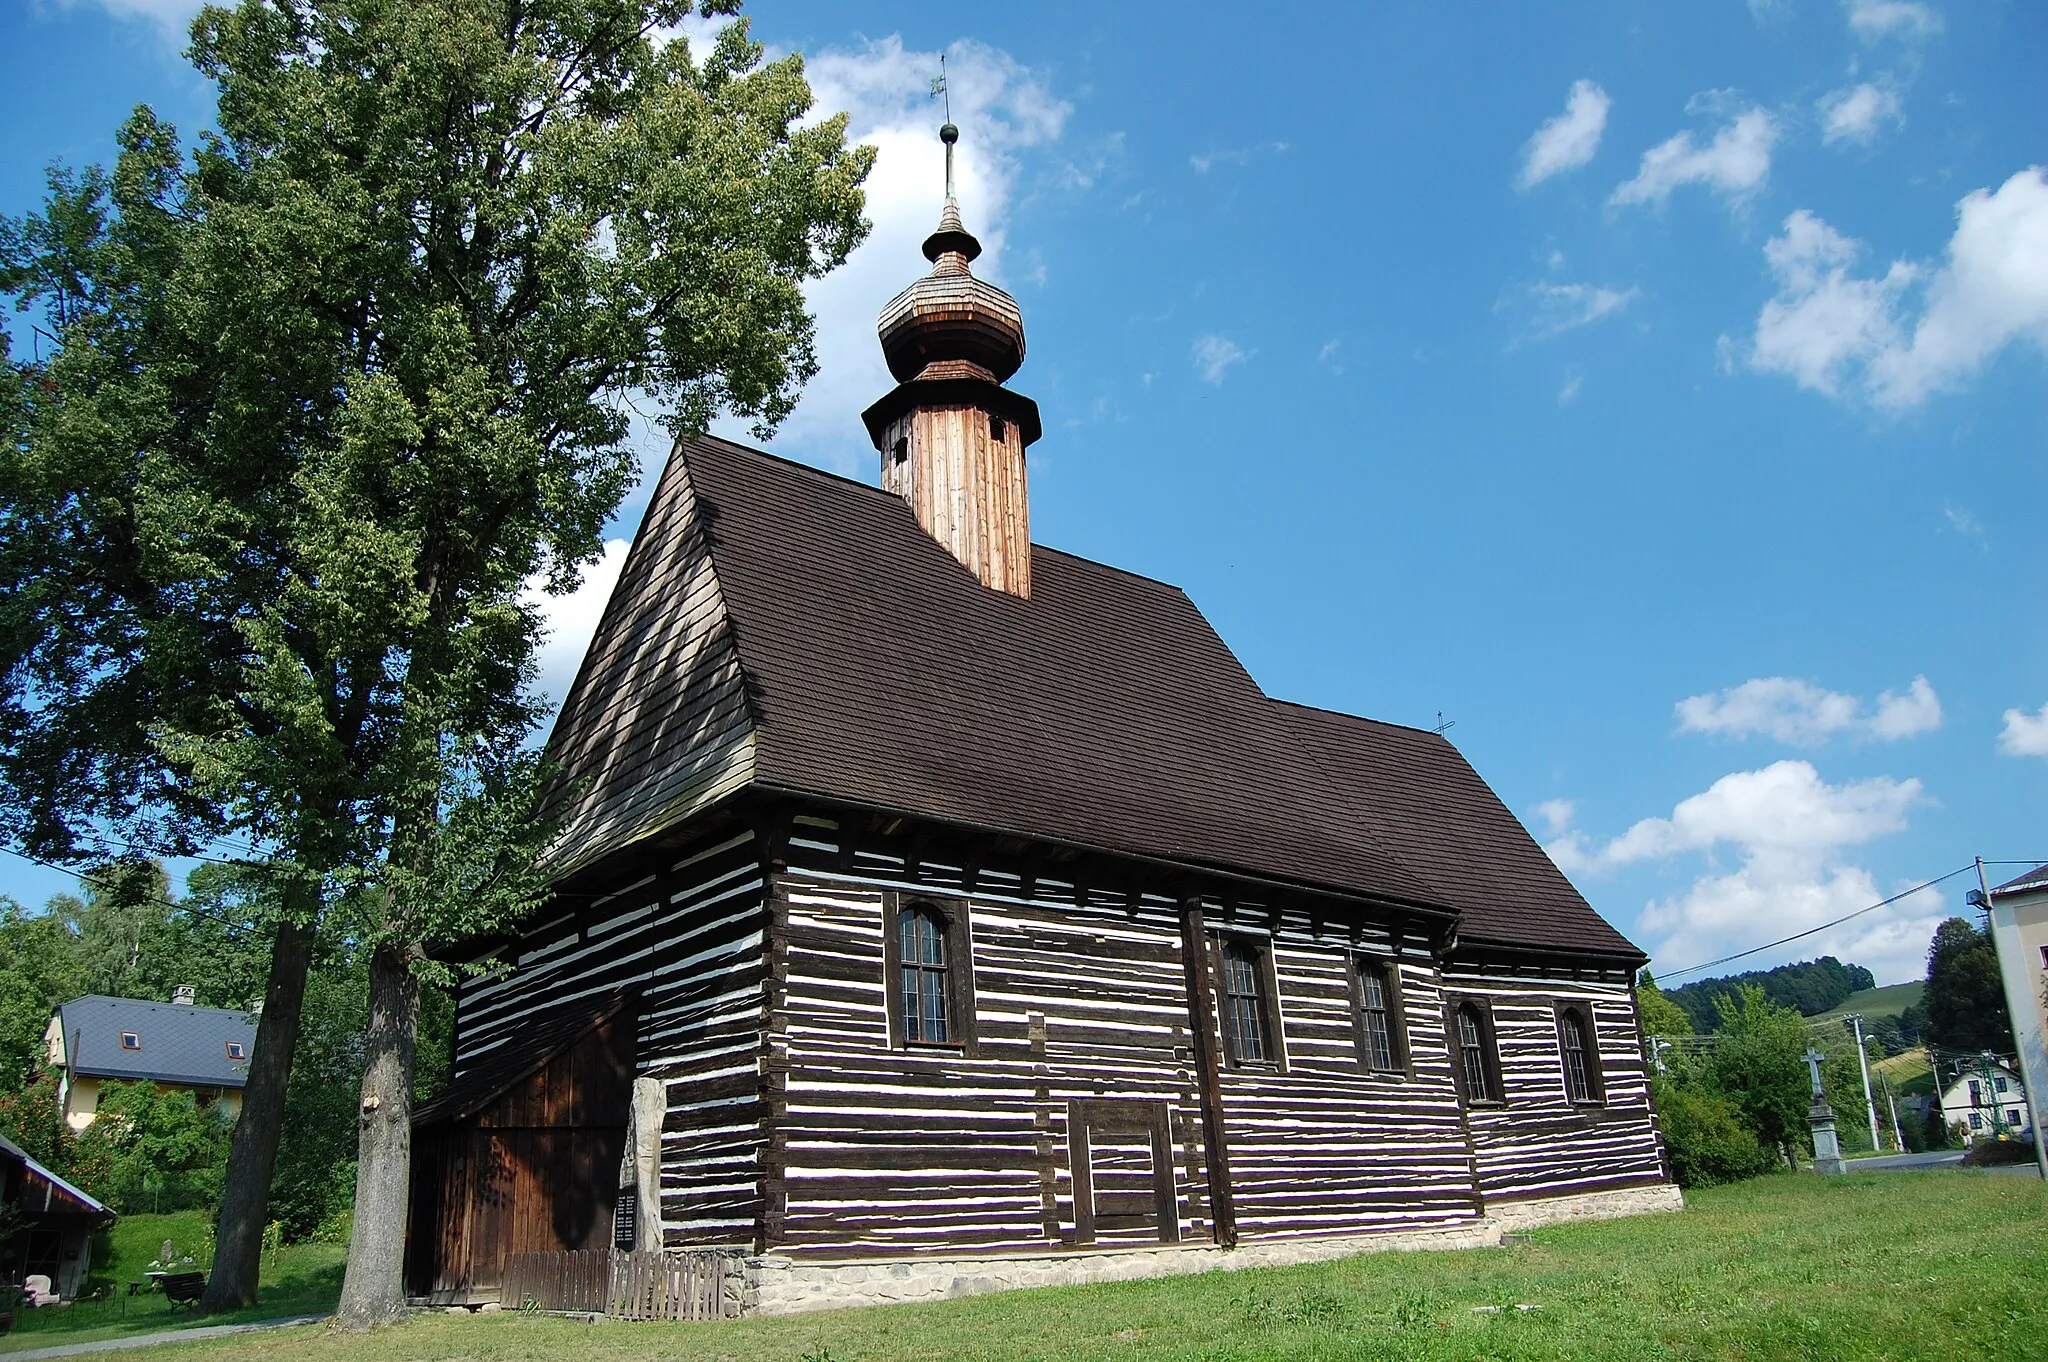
949, 134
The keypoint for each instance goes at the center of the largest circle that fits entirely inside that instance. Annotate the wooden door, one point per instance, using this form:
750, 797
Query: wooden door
1121, 1154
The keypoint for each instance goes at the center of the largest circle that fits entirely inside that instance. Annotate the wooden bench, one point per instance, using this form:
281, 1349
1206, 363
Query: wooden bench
185, 1288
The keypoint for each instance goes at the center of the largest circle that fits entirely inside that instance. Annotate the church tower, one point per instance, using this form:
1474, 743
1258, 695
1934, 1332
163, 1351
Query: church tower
951, 436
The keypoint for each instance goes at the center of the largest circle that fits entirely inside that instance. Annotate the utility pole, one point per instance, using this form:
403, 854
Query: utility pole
1898, 1135
1863, 1063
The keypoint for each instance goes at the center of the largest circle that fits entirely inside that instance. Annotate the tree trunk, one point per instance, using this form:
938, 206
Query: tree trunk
252, 1156
373, 1291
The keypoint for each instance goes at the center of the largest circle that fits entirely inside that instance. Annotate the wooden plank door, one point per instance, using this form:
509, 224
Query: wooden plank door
1121, 1154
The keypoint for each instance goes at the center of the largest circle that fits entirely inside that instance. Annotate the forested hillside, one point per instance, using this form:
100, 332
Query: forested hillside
1809, 988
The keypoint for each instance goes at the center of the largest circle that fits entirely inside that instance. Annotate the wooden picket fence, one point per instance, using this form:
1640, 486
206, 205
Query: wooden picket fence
700, 1284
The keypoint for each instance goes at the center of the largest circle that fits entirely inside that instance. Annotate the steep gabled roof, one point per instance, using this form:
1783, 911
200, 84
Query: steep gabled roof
1422, 796
778, 626
179, 1043
1103, 711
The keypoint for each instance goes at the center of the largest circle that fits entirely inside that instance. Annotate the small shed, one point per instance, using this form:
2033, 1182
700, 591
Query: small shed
56, 1241
521, 1155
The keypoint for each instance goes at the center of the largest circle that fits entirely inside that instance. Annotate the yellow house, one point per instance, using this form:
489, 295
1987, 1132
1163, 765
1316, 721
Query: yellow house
175, 1045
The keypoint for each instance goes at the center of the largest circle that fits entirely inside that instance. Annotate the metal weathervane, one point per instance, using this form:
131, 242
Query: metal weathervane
939, 87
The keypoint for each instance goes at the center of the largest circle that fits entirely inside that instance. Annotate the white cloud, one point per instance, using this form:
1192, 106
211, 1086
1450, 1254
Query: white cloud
570, 620
1569, 140
1557, 815
1872, 20
1789, 828
1204, 162
1565, 307
1829, 330
2025, 735
1853, 114
1734, 165
1008, 116
1905, 716
172, 17
1573, 381
1214, 356
1789, 710
1963, 523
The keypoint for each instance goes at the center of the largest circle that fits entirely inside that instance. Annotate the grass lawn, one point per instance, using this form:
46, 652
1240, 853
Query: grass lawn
1910, 1072
299, 1279
1872, 1265
1888, 1001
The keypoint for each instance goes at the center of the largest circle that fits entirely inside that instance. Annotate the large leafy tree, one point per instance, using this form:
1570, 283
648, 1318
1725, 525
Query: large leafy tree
1965, 995
1756, 1064
330, 391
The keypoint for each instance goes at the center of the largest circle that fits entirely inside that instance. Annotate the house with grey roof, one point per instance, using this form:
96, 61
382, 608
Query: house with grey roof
97, 1039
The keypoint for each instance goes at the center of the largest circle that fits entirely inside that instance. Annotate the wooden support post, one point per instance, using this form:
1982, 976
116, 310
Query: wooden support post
1202, 1022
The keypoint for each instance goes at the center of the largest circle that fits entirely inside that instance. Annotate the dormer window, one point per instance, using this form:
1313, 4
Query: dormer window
130, 1041
237, 1050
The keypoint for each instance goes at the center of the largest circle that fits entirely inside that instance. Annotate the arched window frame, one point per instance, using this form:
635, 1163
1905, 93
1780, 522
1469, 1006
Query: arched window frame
1483, 1087
951, 918
1366, 971
1235, 1008
1575, 1020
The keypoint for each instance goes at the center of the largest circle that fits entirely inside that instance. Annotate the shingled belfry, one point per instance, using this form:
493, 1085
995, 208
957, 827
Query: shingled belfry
951, 436
935, 911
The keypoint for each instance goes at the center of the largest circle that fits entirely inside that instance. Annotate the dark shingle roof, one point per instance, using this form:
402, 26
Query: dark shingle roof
180, 1043
2037, 878
1423, 797
1103, 711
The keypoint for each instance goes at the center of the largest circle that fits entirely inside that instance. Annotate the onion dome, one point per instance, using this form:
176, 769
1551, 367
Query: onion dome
949, 318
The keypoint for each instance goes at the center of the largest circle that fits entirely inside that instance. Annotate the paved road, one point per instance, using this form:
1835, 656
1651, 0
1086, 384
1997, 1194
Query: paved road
1940, 1158
107, 1345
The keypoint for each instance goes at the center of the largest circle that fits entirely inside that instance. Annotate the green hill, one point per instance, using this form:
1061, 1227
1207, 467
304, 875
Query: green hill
1888, 1001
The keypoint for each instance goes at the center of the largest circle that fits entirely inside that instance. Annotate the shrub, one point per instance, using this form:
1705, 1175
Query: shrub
1706, 1137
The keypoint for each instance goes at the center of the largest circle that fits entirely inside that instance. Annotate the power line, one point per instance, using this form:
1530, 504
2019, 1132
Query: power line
1797, 936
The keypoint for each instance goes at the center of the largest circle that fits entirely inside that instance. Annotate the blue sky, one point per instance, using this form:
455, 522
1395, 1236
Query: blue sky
1655, 391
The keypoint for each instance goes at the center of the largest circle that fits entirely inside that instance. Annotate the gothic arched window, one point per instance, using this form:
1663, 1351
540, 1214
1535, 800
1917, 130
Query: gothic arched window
923, 989
1381, 1046
1472, 1036
1580, 1053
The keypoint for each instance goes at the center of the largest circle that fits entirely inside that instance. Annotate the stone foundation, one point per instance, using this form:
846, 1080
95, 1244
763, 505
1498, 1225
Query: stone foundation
777, 1285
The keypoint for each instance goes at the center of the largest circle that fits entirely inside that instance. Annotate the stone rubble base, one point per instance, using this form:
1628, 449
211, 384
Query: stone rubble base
777, 1285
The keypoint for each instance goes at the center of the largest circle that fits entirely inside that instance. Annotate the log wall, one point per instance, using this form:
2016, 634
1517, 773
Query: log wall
874, 1150
793, 1124
691, 937
1539, 1144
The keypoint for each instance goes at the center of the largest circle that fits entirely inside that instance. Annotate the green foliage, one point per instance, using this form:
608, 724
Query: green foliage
1965, 997
1809, 988
1706, 1136
1660, 1016
1756, 1064
166, 1151
314, 1179
38, 970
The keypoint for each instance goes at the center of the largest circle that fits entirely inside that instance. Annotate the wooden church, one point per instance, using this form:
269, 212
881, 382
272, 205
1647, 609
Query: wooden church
931, 896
